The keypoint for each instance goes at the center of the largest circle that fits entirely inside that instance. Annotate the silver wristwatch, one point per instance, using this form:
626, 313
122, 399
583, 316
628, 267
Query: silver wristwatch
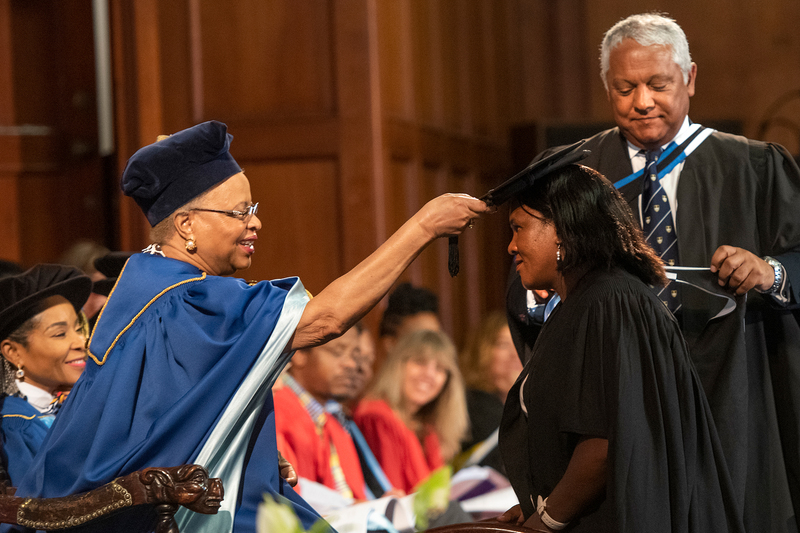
778, 268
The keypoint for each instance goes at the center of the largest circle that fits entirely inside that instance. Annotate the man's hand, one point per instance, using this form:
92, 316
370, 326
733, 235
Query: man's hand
287, 470
740, 270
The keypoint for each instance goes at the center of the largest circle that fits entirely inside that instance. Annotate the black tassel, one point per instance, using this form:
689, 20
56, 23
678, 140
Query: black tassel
452, 255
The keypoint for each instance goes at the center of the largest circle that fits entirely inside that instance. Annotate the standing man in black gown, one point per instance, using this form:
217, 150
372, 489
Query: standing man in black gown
733, 206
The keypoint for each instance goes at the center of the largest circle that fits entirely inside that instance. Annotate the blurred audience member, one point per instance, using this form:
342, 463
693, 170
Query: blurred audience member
110, 266
366, 359
414, 415
490, 366
82, 255
310, 438
409, 308
375, 478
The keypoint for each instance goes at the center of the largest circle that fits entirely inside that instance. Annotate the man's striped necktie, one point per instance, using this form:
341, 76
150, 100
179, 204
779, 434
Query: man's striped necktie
659, 225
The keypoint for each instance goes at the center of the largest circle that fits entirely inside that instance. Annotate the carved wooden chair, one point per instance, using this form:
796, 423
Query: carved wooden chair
164, 489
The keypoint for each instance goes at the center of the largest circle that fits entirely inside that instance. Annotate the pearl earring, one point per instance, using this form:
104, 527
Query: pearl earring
191, 246
558, 254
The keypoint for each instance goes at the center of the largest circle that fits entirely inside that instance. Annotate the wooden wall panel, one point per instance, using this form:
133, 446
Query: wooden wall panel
501, 82
401, 201
266, 60
423, 61
445, 131
452, 95
487, 117
138, 102
360, 147
423, 50
10, 218
51, 173
301, 222
58, 209
476, 68
9, 143
433, 261
34, 83
396, 79
7, 60
181, 97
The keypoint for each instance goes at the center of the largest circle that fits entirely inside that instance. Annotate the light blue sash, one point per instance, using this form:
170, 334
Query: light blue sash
224, 451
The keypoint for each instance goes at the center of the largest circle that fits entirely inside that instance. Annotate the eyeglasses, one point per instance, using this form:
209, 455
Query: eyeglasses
249, 211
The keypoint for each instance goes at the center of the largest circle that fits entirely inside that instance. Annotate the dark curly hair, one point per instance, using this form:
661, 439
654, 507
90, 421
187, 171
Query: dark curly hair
596, 227
406, 300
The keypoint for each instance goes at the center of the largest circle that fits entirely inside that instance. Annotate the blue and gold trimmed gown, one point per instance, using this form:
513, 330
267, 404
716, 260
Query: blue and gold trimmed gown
180, 369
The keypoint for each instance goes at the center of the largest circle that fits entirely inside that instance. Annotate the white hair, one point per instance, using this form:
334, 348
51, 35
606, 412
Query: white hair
647, 29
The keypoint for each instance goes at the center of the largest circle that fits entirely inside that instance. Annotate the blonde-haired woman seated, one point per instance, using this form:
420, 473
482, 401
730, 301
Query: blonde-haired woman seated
415, 415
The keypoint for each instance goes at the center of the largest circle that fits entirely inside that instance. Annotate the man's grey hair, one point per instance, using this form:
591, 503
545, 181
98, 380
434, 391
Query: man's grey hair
647, 29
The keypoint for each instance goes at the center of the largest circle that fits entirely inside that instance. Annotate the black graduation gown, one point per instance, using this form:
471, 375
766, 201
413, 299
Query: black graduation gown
739, 192
610, 362
524, 328
485, 411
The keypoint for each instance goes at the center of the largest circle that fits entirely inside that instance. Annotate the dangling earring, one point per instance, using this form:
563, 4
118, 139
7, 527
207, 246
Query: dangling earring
558, 254
191, 246
20, 374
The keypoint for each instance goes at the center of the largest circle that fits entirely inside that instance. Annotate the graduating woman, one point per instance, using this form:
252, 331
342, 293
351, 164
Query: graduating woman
607, 427
183, 357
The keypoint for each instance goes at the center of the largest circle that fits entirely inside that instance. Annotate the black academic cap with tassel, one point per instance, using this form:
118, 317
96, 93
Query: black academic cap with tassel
518, 183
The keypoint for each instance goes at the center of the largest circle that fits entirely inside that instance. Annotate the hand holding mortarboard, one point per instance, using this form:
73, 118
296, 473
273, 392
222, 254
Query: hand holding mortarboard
518, 183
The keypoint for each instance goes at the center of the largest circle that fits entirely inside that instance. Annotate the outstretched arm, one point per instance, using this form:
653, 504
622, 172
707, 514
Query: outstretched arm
350, 297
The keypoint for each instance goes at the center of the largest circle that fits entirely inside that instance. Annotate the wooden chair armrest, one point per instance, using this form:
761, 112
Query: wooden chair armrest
164, 488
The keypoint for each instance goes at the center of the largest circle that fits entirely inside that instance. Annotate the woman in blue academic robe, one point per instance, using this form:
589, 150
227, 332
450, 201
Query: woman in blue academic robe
43, 344
182, 357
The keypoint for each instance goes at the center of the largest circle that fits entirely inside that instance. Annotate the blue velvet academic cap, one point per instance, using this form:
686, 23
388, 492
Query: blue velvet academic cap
165, 175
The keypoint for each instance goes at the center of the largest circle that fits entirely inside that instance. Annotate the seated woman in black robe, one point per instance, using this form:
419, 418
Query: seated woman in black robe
607, 427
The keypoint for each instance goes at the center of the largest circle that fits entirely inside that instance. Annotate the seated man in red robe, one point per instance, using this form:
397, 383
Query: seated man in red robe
309, 437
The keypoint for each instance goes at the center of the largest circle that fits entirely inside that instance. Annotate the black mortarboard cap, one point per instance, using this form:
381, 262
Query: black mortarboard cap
518, 183
9, 268
163, 176
20, 295
110, 265
536, 170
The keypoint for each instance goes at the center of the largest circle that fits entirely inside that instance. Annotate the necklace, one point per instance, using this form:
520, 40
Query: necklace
154, 249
